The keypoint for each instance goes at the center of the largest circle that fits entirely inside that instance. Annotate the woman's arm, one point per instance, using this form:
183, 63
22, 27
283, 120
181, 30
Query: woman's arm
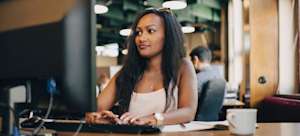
107, 97
187, 96
105, 101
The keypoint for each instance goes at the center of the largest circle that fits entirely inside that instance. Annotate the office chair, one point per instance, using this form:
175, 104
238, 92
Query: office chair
210, 100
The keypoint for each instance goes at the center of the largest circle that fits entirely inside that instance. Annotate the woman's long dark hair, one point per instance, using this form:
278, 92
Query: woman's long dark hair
135, 65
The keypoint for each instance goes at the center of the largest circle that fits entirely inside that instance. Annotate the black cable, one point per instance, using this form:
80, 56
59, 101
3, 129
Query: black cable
38, 129
51, 88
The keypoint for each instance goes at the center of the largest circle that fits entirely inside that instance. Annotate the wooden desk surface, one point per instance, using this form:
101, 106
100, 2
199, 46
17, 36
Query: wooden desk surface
264, 129
232, 102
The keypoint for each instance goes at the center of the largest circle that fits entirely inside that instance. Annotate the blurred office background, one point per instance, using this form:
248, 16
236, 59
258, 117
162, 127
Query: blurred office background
255, 43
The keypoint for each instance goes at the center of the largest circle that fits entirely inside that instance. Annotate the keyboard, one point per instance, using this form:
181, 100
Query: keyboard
105, 128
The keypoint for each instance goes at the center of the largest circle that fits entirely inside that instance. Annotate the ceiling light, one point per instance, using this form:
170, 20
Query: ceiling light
188, 29
100, 9
125, 32
125, 51
175, 4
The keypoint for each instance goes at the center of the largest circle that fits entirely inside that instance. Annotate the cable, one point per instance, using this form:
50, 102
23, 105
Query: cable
51, 88
37, 130
79, 128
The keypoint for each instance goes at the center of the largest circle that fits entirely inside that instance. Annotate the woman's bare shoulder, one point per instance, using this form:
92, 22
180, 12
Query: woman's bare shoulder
186, 65
186, 69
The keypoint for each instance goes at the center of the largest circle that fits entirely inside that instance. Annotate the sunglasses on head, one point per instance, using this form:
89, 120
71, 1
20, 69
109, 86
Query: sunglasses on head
167, 10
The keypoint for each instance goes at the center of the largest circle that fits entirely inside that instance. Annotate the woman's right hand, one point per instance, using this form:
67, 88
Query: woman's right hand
102, 117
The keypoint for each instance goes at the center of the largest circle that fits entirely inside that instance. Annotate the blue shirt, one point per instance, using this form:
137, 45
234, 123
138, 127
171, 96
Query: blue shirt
206, 74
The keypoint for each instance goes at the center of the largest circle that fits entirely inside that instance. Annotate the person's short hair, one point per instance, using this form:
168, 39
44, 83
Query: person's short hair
203, 53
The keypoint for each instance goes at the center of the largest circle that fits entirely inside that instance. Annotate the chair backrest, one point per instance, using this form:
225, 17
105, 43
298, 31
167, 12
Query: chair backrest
210, 100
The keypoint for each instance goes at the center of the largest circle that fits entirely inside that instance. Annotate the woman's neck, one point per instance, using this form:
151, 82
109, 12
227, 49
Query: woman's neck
154, 64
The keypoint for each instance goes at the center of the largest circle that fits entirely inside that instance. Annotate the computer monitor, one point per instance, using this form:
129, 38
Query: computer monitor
49, 40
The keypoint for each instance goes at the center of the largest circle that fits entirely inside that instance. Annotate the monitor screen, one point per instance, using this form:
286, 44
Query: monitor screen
50, 41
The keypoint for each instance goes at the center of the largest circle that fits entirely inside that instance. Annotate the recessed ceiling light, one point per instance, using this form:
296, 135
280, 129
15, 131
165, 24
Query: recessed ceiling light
175, 4
188, 29
100, 9
125, 51
125, 32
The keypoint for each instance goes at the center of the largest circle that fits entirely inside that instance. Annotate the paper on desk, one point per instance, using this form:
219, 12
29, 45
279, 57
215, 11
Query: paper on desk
192, 126
225, 122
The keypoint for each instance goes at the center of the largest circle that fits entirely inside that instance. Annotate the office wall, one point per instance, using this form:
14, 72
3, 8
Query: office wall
195, 39
102, 61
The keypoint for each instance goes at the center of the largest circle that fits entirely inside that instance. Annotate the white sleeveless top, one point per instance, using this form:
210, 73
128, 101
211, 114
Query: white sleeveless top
144, 104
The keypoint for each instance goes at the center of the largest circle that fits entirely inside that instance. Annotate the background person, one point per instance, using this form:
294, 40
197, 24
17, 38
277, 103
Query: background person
201, 58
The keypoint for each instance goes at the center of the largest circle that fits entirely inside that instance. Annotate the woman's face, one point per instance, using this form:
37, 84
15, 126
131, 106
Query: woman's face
150, 35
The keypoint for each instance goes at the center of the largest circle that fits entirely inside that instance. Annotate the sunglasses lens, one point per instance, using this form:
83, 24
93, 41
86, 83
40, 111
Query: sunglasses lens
168, 10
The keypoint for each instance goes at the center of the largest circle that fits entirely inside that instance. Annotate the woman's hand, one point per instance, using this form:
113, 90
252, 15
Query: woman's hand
102, 117
129, 118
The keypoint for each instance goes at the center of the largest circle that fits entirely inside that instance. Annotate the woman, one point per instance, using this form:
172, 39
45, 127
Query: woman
157, 85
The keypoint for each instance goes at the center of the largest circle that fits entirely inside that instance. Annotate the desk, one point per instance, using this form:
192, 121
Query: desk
265, 129
233, 103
